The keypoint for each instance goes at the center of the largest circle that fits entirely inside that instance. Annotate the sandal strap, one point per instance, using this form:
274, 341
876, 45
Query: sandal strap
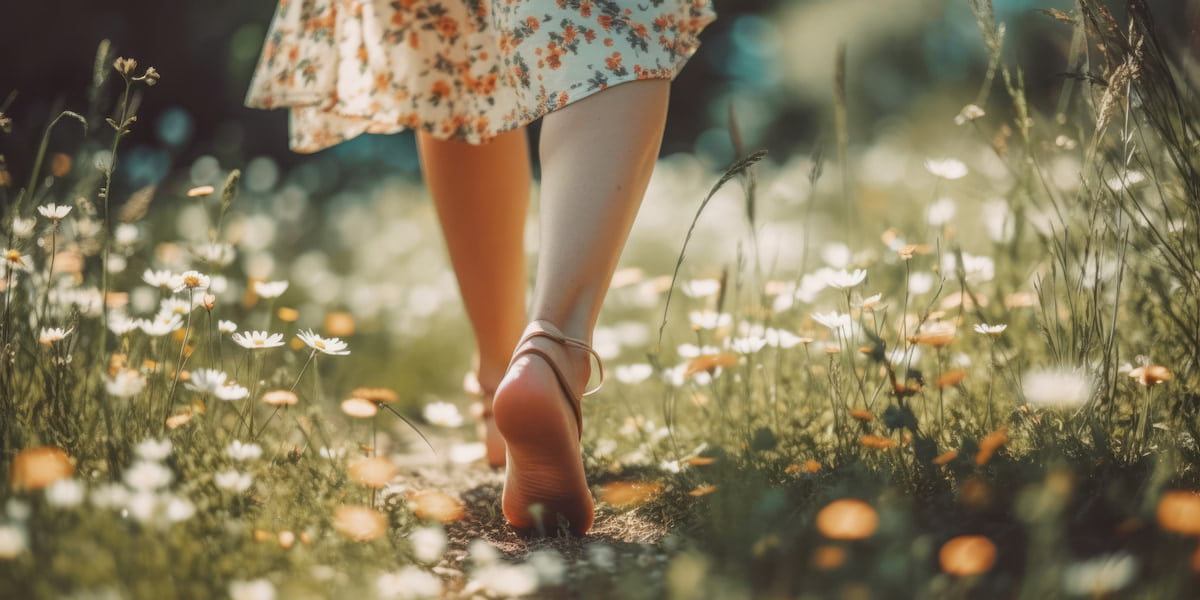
546, 329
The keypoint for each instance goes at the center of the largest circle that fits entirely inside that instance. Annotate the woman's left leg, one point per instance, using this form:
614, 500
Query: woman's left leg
481, 193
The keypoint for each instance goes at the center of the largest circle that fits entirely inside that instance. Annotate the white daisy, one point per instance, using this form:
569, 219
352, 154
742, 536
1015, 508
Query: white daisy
206, 381
842, 279
334, 346
256, 589
217, 254
258, 339
127, 382
701, 288
780, 338
709, 319
151, 449
65, 493
834, 320
1056, 388
53, 211
240, 451
190, 280
231, 391
233, 481
946, 168
161, 325
122, 324
49, 335
159, 279
270, 289
443, 413
179, 509
23, 228
145, 475
636, 373
16, 261
992, 330
226, 326
126, 234
408, 582
747, 345
941, 212
13, 541
428, 543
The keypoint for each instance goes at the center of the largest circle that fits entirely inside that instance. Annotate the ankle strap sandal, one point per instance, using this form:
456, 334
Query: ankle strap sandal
546, 329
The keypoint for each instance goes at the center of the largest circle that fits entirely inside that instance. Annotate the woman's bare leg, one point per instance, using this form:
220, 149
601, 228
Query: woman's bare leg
597, 157
481, 193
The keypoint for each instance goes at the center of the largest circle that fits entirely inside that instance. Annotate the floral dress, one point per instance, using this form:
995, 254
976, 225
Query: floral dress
459, 69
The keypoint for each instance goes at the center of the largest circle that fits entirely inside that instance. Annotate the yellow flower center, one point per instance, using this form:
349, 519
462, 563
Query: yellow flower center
259, 342
191, 281
318, 344
13, 256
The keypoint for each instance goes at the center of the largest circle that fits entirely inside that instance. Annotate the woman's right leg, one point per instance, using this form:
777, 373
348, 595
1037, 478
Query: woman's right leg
481, 193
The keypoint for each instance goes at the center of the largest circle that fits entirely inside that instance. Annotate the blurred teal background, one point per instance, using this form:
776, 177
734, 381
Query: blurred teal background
771, 60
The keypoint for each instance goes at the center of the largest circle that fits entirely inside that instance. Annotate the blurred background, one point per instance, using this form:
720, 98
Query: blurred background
771, 60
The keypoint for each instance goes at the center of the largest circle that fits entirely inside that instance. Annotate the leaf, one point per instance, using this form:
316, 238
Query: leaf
733, 171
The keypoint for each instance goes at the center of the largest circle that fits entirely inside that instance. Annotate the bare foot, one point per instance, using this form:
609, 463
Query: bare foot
536, 412
481, 411
491, 437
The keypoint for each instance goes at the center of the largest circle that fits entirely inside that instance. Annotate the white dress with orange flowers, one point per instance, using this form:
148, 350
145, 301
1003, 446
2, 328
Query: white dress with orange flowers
459, 69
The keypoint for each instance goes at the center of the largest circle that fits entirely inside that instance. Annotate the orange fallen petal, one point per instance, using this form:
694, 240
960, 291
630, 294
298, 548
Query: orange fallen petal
703, 490
700, 461
439, 506
946, 457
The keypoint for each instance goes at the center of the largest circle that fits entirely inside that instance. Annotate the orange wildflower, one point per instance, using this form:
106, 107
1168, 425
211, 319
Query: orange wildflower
436, 505
877, 442
630, 493
37, 468
847, 519
1151, 375
359, 523
828, 558
706, 362
989, 444
967, 555
861, 414
951, 378
1179, 511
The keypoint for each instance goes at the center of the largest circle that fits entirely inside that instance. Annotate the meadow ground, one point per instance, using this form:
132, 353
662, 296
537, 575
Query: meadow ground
959, 362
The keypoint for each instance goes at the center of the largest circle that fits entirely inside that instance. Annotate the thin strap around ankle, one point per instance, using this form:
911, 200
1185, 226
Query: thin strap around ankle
546, 329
